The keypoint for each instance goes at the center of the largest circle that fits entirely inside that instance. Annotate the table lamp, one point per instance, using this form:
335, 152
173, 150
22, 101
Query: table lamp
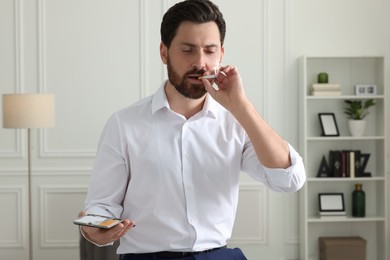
28, 111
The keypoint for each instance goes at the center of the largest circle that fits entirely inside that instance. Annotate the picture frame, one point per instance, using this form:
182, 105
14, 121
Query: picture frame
331, 203
365, 90
328, 124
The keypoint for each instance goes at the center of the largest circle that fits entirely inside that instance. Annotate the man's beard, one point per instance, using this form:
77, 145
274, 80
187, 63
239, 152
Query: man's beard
188, 90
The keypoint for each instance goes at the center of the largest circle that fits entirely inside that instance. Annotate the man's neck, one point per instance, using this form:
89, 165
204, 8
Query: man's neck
182, 105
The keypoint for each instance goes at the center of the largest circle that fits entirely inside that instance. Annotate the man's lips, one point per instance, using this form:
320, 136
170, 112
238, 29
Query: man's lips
194, 76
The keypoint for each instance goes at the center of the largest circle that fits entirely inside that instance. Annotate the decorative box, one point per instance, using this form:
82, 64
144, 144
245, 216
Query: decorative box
342, 248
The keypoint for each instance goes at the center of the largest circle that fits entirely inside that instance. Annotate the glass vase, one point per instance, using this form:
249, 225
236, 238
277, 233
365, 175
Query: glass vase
358, 201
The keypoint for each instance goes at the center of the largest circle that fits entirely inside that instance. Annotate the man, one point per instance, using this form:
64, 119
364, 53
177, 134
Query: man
171, 162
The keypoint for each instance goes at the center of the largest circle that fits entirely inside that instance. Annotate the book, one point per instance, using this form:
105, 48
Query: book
326, 93
332, 213
325, 87
348, 163
335, 163
342, 216
352, 164
343, 164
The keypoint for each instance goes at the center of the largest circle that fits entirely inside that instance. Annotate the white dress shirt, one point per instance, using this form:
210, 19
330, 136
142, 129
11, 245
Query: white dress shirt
178, 179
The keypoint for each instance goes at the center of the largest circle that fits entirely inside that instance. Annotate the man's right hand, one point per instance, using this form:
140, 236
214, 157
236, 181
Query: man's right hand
107, 236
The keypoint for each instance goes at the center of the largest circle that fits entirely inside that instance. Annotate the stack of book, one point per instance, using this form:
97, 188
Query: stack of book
332, 214
348, 163
322, 89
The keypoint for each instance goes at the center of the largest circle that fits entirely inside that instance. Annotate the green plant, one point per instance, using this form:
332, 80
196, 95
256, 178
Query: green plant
323, 78
358, 109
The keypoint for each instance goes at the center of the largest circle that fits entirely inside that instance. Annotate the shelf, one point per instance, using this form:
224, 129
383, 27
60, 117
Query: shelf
344, 97
363, 179
344, 138
316, 219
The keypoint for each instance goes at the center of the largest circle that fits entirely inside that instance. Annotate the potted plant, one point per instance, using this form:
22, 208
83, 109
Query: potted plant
323, 78
357, 110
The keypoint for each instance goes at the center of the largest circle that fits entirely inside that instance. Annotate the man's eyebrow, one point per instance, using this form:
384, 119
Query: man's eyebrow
194, 45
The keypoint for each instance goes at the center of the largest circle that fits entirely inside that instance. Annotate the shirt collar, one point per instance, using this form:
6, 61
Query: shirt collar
210, 106
160, 101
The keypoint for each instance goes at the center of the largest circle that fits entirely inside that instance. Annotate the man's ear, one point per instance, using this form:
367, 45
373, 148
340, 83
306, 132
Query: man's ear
222, 54
164, 53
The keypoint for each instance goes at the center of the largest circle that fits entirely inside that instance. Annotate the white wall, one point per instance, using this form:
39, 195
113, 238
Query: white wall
97, 56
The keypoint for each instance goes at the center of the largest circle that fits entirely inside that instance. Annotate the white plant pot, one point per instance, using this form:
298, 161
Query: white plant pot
357, 127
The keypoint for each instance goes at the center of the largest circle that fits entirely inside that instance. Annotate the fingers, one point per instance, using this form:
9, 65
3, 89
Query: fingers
209, 88
227, 69
227, 78
125, 226
224, 72
105, 236
119, 230
220, 77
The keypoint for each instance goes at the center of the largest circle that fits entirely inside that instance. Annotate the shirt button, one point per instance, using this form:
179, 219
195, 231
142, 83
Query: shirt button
187, 155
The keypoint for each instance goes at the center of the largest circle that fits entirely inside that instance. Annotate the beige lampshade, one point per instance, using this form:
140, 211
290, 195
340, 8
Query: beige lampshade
28, 110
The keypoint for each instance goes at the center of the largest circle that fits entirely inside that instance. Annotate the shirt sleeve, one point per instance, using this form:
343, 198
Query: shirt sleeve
110, 174
290, 179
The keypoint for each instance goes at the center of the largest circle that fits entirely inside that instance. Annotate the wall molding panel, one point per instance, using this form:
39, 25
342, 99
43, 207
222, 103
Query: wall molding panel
13, 217
291, 231
143, 42
265, 64
62, 171
254, 226
20, 146
19, 39
41, 8
51, 197
287, 77
45, 152
18, 76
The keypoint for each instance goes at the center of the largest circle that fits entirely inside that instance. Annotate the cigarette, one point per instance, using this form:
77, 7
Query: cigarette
208, 77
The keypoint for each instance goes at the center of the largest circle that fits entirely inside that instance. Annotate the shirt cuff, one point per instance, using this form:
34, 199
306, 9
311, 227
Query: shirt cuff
96, 244
290, 179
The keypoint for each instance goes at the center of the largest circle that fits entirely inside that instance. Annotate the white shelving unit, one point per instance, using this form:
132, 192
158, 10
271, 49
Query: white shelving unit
346, 71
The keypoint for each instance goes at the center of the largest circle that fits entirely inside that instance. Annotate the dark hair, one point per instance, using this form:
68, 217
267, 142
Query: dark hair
197, 11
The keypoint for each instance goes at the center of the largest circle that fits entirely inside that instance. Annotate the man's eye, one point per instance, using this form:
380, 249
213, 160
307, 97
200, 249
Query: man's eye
210, 51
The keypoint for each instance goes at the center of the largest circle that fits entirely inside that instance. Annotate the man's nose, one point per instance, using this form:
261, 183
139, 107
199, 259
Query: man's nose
199, 62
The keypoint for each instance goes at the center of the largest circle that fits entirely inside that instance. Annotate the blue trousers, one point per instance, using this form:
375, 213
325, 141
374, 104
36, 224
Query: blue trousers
221, 254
